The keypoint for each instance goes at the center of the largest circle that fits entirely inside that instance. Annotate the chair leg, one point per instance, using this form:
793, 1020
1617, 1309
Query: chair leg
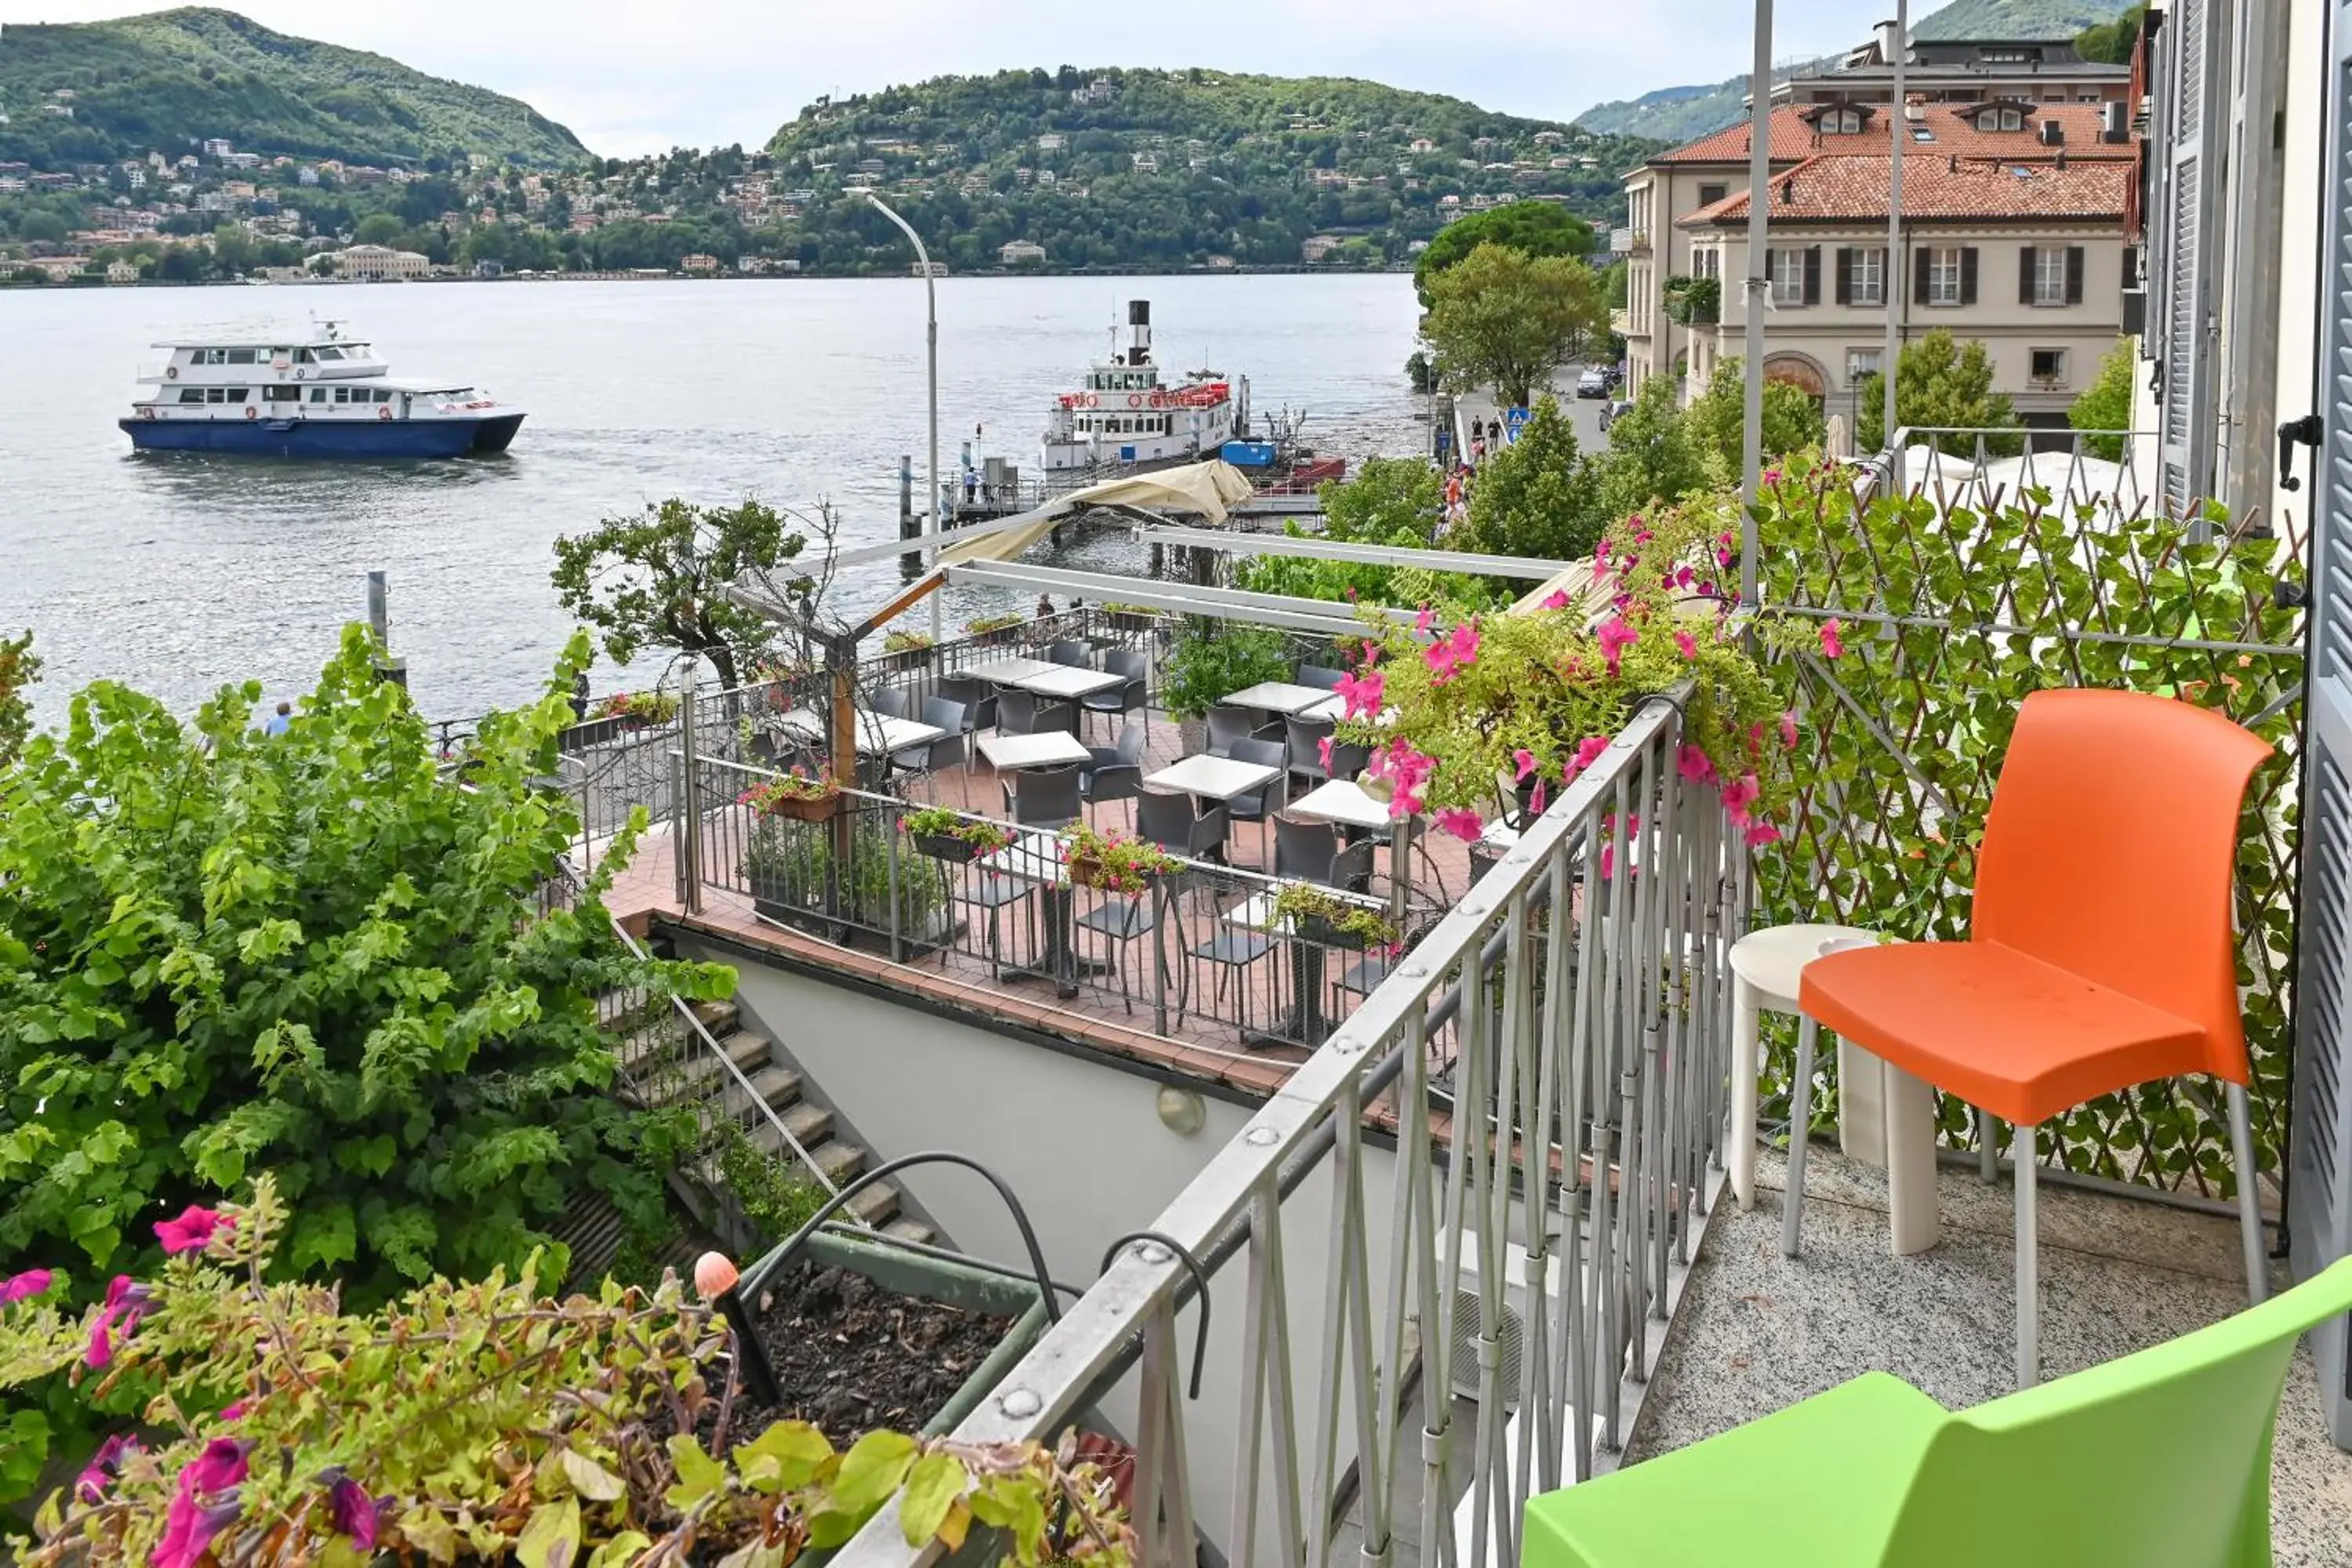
1988, 1148
2250, 1197
1745, 1024
1800, 1116
2021, 1148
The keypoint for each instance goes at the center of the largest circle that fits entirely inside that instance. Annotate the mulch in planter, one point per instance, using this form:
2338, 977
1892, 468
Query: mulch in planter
851, 1356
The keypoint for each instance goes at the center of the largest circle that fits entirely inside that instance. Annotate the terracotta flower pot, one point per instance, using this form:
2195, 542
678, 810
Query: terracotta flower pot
805, 807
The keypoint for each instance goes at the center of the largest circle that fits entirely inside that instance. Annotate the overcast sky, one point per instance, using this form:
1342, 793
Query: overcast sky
635, 78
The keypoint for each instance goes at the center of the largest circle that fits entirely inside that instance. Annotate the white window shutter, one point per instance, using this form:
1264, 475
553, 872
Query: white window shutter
2195, 125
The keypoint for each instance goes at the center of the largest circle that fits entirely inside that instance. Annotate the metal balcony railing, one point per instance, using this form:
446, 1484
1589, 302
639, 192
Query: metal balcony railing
1516, 1261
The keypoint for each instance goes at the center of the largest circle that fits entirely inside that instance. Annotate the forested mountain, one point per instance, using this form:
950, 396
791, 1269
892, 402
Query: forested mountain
171, 81
1679, 115
1124, 168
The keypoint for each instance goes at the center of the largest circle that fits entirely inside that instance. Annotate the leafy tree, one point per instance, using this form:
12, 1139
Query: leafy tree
19, 667
380, 228
1540, 496
1508, 320
2111, 42
2106, 404
225, 951
1718, 417
1531, 228
658, 578
1942, 384
1651, 458
1395, 501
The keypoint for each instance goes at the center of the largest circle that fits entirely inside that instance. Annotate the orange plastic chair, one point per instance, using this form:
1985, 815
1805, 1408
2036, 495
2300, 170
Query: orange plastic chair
2099, 953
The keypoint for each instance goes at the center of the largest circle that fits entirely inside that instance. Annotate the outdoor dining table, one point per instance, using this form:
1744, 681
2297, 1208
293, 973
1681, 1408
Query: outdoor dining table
1204, 777
1066, 681
1037, 857
1277, 697
1350, 806
878, 734
1013, 754
1305, 1024
1004, 671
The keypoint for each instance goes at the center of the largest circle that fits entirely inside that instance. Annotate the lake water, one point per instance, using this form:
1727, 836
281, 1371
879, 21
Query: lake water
179, 573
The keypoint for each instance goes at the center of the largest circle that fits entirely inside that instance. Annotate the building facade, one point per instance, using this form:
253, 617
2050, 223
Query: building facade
1950, 142
379, 264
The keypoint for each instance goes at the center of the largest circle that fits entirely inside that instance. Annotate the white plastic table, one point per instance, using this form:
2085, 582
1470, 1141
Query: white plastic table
1342, 802
1205, 777
1004, 670
1009, 753
1064, 680
1885, 1116
1275, 696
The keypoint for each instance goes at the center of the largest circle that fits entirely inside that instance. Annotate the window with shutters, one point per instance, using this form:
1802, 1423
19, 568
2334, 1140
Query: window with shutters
1788, 274
1866, 276
1943, 269
2047, 370
1861, 362
2050, 275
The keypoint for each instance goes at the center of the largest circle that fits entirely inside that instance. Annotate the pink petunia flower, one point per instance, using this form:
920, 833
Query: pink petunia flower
1323, 750
89, 1487
1601, 552
1740, 794
1555, 600
1421, 622
1760, 834
1723, 556
353, 1510
1788, 730
192, 1231
1693, 766
1832, 644
189, 1528
1362, 693
232, 1411
1463, 825
25, 1287
1587, 752
1615, 636
126, 1303
1688, 644
220, 1467
1526, 762
1535, 800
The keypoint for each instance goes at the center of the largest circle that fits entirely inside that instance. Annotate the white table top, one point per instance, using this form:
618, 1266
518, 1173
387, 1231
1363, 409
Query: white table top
1032, 857
1012, 666
1213, 778
1343, 801
1277, 697
876, 735
1054, 749
1065, 681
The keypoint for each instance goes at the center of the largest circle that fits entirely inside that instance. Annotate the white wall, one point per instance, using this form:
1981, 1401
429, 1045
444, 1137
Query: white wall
1079, 1140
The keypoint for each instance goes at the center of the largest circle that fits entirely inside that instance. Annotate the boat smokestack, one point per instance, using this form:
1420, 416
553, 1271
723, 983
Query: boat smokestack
1139, 332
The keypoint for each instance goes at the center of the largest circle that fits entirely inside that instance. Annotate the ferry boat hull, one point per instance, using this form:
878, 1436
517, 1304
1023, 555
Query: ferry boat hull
299, 438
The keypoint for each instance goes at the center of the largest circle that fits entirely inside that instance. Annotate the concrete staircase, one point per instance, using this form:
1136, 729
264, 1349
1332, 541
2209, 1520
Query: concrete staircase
812, 1124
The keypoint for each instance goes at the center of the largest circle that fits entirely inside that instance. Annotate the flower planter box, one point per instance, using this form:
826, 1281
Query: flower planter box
946, 846
1323, 933
908, 658
950, 1283
1133, 620
805, 807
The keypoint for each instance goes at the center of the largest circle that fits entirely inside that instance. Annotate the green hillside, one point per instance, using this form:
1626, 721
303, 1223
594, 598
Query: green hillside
172, 79
1147, 167
1679, 115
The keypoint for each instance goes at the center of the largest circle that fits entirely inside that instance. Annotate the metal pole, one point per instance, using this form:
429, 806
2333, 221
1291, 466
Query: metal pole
1891, 275
689, 796
1759, 196
931, 348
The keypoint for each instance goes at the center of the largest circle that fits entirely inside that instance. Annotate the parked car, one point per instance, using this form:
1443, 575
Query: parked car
1592, 384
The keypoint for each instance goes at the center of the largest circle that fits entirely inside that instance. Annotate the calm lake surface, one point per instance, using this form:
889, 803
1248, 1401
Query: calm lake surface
178, 574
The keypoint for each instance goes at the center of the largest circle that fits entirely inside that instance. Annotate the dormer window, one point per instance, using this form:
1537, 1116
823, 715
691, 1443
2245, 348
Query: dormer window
2000, 117
1843, 122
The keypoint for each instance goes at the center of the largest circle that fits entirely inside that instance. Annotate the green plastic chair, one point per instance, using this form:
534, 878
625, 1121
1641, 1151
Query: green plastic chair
2161, 1459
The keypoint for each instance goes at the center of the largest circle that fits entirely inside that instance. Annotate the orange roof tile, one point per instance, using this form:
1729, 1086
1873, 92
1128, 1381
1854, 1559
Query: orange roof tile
1845, 188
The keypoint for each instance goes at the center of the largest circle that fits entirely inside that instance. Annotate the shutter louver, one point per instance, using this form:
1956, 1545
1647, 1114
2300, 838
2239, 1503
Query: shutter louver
2185, 417
1919, 265
2319, 1159
2025, 275
2074, 275
1812, 275
1844, 282
1967, 275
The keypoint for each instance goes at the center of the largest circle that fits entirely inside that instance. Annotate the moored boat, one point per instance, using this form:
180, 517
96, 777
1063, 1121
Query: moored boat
311, 395
1125, 416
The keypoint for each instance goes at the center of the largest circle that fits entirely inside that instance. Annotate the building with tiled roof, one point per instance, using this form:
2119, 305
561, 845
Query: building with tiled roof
1993, 173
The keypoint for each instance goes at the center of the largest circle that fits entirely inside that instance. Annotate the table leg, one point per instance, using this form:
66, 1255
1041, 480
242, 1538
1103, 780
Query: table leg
1913, 1221
1744, 1024
1862, 1113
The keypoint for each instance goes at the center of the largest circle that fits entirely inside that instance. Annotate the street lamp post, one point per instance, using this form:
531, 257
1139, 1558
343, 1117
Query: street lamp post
932, 349
1891, 276
1759, 290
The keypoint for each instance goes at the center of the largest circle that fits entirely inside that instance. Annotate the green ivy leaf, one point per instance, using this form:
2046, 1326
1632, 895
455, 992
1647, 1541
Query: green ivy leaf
784, 1458
935, 1482
872, 1469
551, 1537
699, 1475
591, 1480
621, 1550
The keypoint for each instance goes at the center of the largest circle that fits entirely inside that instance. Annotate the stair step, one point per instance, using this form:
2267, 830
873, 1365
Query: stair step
841, 1161
745, 1049
910, 1230
876, 1204
809, 1122
722, 1018
779, 1085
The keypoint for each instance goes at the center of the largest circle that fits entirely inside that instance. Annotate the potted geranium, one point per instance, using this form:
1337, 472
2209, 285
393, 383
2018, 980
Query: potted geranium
945, 835
1131, 617
1113, 862
993, 628
906, 650
1322, 917
638, 710
1497, 712
799, 795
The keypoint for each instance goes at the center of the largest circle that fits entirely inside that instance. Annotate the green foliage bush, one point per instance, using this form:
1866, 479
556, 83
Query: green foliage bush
1718, 417
1506, 321
1939, 384
1212, 658
1531, 228
223, 951
19, 667
2107, 402
1541, 495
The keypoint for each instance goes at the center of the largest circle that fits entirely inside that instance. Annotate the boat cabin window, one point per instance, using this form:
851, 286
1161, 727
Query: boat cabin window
240, 356
281, 395
325, 355
382, 396
224, 393
301, 356
318, 395
208, 356
192, 395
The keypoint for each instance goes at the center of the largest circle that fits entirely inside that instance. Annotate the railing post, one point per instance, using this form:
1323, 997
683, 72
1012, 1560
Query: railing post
689, 799
841, 745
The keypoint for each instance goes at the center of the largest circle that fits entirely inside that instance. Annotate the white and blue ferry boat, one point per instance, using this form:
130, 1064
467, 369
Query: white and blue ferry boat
317, 394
